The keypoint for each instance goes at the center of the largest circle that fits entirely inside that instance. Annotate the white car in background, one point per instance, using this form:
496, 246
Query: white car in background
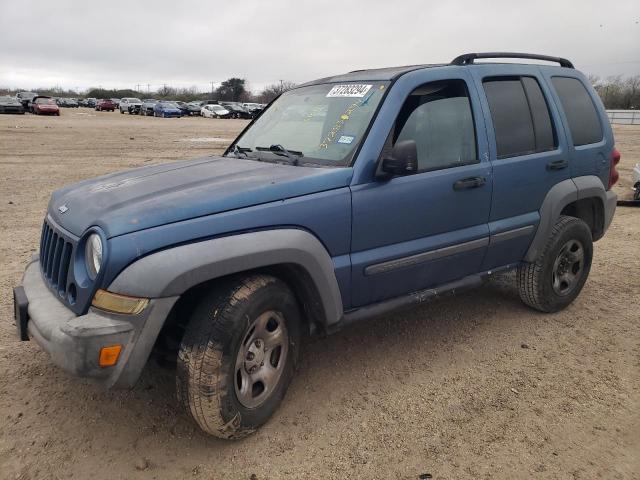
214, 111
130, 104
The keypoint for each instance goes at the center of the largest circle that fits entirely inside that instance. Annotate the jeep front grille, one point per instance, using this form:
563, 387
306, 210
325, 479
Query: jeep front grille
55, 258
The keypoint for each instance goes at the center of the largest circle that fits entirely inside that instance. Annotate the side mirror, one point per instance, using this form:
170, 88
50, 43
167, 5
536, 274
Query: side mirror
402, 161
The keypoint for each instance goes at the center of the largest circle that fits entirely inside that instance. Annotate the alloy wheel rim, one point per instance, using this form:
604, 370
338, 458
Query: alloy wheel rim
261, 359
568, 268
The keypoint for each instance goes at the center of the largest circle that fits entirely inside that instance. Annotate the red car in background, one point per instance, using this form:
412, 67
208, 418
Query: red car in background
44, 106
105, 104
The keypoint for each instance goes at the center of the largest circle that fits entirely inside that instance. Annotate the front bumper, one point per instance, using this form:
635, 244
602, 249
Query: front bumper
74, 342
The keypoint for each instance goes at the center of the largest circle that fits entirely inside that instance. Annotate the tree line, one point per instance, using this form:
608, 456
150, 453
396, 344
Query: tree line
616, 92
234, 90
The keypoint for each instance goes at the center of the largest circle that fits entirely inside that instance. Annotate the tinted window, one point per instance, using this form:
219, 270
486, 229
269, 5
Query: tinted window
542, 126
520, 115
438, 117
579, 109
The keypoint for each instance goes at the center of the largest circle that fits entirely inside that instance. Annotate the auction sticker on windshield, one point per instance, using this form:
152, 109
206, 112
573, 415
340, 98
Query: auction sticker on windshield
350, 90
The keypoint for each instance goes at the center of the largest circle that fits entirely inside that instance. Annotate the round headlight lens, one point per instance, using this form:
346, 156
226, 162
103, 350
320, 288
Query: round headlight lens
93, 255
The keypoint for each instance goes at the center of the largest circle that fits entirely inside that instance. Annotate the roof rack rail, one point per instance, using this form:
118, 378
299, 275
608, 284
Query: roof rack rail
468, 58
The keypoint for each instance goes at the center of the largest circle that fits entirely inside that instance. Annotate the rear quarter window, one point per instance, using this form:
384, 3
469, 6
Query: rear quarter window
579, 109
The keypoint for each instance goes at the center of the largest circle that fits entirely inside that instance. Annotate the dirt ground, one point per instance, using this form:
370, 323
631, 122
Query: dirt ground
474, 386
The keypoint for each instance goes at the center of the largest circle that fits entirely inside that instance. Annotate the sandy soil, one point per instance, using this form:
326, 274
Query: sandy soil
476, 386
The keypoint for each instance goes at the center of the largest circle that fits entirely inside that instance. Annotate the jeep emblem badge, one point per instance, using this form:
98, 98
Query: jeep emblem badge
63, 208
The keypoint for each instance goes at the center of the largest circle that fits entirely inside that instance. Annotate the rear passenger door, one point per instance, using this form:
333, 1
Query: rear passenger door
527, 151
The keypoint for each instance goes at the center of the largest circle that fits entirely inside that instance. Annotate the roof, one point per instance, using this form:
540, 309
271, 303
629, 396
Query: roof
391, 73
372, 74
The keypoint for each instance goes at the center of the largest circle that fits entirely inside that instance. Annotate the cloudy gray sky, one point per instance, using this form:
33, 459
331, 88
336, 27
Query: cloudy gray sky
118, 44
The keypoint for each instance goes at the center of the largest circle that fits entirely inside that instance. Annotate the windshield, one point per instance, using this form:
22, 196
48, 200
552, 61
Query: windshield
45, 101
169, 105
325, 123
217, 108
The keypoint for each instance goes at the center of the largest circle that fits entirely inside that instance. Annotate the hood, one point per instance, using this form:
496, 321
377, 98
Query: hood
156, 195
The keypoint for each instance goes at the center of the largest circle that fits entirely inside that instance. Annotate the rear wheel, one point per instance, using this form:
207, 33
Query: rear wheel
557, 276
238, 355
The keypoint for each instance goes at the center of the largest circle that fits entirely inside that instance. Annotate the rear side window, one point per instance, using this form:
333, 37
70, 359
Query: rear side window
579, 109
520, 115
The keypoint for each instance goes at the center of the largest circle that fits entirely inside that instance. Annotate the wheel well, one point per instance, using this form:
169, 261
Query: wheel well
296, 277
589, 210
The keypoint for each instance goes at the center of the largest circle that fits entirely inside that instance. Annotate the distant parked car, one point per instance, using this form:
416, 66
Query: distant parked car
147, 106
214, 111
166, 110
116, 101
254, 108
636, 182
130, 104
187, 109
105, 104
72, 103
237, 110
91, 102
10, 105
44, 106
25, 98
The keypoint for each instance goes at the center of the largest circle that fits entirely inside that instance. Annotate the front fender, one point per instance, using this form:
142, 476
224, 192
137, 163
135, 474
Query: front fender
172, 272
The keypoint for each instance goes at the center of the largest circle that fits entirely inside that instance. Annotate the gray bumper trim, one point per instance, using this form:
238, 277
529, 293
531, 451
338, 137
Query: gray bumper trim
74, 342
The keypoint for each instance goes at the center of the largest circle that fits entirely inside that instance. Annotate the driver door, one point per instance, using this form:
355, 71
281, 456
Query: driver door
420, 230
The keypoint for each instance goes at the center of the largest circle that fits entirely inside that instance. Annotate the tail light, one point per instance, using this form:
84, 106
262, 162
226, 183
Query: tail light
613, 171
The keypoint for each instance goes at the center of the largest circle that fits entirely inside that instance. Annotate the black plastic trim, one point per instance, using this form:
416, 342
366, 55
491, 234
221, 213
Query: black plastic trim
411, 260
469, 58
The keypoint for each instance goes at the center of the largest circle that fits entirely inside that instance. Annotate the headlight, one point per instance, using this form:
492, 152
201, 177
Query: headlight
93, 255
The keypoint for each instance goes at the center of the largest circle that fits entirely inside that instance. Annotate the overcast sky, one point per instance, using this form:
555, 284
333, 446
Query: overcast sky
118, 44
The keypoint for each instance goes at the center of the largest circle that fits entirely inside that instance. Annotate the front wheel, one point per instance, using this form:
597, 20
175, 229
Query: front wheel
238, 355
557, 276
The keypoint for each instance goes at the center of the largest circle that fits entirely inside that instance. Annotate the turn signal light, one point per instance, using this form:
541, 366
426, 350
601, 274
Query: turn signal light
109, 355
114, 302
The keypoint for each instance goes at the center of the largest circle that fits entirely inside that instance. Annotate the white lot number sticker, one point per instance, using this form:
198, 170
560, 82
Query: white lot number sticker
350, 90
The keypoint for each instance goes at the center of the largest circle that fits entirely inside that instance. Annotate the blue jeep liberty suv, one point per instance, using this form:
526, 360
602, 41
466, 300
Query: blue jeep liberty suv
347, 198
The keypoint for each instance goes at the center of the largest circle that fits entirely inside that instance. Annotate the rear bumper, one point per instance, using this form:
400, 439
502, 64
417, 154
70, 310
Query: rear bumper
609, 208
74, 342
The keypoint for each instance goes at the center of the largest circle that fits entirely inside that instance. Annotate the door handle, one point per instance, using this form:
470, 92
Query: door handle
471, 182
557, 165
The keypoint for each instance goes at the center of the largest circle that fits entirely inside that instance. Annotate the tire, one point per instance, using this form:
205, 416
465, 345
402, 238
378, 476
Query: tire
557, 276
212, 369
636, 192
121, 111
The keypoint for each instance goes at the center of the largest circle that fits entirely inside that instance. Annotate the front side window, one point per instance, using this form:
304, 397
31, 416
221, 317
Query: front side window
438, 117
318, 124
579, 109
520, 115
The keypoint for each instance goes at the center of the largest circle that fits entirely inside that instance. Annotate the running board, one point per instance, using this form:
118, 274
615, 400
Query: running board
415, 298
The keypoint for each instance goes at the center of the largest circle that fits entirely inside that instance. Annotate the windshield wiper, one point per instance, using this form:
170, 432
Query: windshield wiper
278, 149
237, 150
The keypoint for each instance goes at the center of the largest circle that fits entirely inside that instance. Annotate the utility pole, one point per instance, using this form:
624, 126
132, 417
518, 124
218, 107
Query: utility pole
137, 87
281, 87
148, 87
211, 89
